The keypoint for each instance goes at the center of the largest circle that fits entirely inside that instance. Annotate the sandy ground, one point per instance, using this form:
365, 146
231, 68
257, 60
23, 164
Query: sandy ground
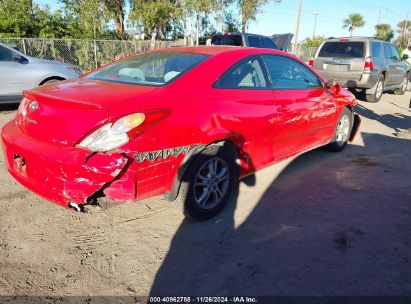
319, 224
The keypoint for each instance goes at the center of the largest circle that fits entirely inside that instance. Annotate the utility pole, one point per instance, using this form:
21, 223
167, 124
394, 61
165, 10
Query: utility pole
382, 12
315, 22
297, 28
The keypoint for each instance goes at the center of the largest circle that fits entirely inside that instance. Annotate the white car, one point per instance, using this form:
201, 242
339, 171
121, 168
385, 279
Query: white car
20, 72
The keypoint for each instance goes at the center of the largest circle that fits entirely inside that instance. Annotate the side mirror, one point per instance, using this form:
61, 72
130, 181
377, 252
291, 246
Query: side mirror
405, 57
332, 86
18, 58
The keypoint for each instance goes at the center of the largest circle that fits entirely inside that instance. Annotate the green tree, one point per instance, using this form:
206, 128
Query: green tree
249, 10
156, 16
16, 18
404, 33
384, 32
313, 42
87, 19
116, 8
231, 23
353, 22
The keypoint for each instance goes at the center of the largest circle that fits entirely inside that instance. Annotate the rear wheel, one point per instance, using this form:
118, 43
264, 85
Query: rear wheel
342, 132
379, 90
404, 83
208, 183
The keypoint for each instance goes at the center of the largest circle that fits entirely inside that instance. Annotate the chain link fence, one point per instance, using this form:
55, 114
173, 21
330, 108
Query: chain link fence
87, 54
90, 54
305, 52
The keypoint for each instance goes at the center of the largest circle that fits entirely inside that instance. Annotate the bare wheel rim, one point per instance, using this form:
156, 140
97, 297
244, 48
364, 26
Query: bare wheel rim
379, 89
343, 130
211, 183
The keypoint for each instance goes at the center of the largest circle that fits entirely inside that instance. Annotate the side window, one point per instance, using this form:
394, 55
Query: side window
287, 73
395, 54
387, 51
376, 49
254, 41
5, 54
244, 74
268, 43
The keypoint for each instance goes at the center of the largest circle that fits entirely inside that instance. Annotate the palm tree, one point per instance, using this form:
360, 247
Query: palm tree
352, 22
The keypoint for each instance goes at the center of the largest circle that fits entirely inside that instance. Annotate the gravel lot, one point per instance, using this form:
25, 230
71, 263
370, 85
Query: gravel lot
319, 224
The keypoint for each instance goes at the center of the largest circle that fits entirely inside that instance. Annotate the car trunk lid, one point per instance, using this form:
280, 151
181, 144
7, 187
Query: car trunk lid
64, 112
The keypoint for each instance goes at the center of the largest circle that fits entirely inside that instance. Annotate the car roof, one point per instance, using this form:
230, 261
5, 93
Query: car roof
354, 39
217, 49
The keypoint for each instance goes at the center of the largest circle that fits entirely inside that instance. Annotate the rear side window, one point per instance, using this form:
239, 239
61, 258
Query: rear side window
353, 49
268, 43
387, 51
246, 74
254, 41
376, 49
395, 53
235, 40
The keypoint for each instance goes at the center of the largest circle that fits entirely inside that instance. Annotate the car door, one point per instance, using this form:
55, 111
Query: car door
14, 77
398, 66
251, 113
305, 111
390, 64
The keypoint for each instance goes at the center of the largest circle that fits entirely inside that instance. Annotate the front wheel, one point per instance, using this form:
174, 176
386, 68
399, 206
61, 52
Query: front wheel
404, 83
342, 132
208, 183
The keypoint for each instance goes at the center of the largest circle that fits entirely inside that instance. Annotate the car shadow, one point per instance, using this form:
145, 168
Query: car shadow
6, 107
396, 121
324, 226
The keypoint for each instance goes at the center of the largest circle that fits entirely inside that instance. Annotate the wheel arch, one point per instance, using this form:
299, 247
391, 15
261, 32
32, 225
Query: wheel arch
59, 78
227, 143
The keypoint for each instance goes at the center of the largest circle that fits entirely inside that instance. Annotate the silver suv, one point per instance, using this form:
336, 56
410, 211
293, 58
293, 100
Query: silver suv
20, 72
366, 64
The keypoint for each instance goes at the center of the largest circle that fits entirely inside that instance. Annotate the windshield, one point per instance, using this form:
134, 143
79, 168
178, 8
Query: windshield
342, 49
156, 69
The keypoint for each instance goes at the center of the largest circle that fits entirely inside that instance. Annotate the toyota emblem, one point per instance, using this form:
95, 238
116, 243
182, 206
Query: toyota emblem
33, 106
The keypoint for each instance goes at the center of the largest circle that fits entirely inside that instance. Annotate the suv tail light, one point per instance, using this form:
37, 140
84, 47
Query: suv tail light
368, 65
311, 62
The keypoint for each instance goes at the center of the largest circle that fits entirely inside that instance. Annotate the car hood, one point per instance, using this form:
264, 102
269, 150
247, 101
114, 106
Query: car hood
46, 61
67, 111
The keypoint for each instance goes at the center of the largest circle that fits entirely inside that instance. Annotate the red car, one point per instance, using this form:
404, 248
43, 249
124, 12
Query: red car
183, 122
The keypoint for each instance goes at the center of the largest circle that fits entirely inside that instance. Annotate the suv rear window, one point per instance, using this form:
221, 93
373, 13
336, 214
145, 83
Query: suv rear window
353, 49
236, 40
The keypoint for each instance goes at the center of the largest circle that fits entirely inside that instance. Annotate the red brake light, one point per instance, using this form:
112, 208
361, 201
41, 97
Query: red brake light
311, 62
368, 65
344, 39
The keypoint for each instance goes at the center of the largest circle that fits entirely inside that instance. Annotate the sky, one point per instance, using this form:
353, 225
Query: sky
281, 18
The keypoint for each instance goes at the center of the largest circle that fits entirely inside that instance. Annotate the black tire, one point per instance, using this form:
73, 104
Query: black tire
194, 183
404, 84
344, 126
379, 90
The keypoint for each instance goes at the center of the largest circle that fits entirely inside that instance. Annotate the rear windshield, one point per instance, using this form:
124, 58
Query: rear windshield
236, 40
342, 49
156, 69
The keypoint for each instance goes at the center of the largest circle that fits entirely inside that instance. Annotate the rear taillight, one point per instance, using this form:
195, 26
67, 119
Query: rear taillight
368, 65
311, 62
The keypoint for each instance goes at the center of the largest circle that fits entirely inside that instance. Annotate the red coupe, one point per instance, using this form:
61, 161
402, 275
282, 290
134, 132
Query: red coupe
184, 122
